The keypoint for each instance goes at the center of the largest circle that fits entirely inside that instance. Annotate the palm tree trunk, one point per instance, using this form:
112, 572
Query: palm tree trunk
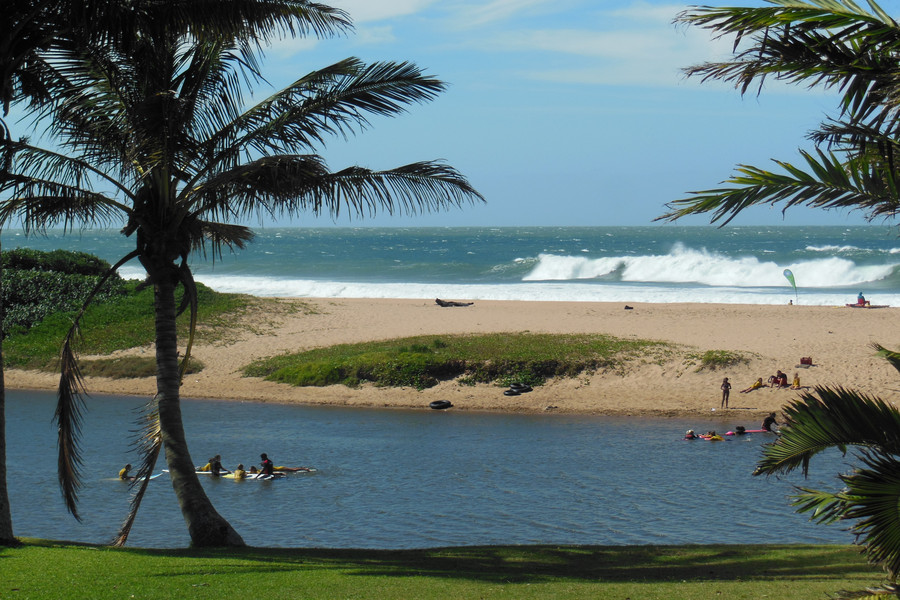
205, 526
6, 528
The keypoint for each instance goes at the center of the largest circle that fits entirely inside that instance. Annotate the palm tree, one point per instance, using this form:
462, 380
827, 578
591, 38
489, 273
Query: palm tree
835, 44
27, 29
160, 119
32, 28
829, 43
837, 418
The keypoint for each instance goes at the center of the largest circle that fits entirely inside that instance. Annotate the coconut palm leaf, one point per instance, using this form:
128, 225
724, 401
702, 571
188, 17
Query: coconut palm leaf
830, 418
829, 183
292, 184
70, 402
835, 44
148, 444
873, 503
891, 356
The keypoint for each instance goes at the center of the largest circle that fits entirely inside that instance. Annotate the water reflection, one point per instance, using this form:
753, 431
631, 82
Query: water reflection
408, 479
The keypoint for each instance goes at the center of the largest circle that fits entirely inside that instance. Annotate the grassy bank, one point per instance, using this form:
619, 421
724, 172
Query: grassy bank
120, 325
424, 361
40, 570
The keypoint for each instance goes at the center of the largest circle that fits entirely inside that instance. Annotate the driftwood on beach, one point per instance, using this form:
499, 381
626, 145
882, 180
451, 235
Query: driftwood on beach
440, 302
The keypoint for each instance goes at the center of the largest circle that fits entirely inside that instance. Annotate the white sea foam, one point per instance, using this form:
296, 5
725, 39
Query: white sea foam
684, 265
528, 291
832, 248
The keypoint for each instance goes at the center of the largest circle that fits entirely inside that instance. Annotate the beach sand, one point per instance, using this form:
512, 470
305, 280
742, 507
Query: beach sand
838, 339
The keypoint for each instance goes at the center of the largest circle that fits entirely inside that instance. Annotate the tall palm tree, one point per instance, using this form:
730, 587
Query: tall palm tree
31, 28
160, 120
833, 44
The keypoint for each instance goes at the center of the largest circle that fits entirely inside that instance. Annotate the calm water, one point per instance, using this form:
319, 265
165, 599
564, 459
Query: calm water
419, 478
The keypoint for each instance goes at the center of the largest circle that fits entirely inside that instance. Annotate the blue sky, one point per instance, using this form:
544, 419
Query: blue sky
561, 112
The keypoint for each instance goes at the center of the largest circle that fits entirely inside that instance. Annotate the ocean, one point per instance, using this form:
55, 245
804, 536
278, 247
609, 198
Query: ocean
735, 265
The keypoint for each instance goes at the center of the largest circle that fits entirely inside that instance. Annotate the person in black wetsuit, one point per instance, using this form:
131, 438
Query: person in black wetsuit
769, 421
267, 466
215, 466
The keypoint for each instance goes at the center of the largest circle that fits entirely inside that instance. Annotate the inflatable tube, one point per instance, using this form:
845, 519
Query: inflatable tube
520, 387
510, 392
440, 404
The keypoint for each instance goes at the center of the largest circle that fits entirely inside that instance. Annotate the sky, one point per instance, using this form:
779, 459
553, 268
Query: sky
561, 112
564, 112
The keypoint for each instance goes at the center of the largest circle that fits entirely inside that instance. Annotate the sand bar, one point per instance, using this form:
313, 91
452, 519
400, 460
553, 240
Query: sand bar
838, 339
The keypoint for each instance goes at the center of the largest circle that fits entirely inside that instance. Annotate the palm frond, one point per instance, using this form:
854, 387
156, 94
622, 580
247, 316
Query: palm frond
68, 417
828, 184
892, 356
148, 445
293, 184
828, 42
190, 297
830, 418
218, 236
70, 403
873, 493
333, 101
826, 507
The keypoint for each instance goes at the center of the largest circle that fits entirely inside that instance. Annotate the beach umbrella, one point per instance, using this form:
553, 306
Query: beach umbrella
790, 277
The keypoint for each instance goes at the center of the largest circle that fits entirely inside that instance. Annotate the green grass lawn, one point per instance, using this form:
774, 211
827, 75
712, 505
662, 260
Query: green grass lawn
41, 569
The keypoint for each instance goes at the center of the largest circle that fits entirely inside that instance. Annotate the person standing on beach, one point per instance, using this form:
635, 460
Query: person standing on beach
726, 391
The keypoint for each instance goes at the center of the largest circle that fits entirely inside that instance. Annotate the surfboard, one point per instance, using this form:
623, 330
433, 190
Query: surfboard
130, 480
257, 476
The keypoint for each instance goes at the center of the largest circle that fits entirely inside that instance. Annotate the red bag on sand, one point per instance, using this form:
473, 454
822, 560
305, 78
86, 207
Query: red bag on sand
806, 360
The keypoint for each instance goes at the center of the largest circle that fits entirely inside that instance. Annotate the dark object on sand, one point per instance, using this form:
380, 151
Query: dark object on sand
440, 404
446, 303
629, 307
517, 388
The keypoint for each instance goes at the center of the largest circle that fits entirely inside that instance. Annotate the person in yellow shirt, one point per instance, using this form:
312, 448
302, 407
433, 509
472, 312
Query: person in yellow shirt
240, 473
124, 473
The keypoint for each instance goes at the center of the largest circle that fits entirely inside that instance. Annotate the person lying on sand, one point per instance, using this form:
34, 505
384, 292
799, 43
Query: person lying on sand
758, 384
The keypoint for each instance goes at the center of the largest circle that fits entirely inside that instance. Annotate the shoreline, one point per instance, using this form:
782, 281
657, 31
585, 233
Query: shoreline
838, 340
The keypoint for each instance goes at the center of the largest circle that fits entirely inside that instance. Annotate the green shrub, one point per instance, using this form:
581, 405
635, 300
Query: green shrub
30, 296
61, 261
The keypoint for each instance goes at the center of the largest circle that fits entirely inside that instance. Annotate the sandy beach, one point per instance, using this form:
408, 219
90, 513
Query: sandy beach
838, 339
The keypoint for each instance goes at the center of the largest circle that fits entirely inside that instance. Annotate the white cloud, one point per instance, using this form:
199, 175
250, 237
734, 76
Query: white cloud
365, 11
288, 47
497, 10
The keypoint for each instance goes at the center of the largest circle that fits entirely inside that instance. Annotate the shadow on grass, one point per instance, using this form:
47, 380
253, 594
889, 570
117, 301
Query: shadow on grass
535, 564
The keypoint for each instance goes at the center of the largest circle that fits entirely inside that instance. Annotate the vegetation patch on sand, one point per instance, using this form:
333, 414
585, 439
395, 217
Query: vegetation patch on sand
424, 361
124, 323
39, 570
719, 359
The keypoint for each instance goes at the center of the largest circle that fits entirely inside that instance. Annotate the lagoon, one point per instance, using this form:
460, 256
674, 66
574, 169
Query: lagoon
420, 478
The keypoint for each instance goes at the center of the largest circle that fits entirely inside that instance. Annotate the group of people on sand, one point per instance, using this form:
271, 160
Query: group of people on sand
214, 467
777, 381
